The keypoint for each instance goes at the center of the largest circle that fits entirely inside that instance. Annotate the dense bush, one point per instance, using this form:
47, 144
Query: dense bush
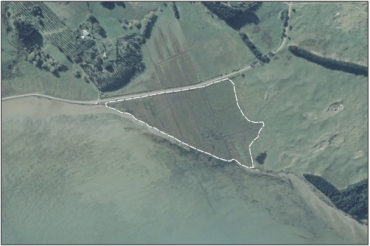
353, 200
23, 28
328, 62
257, 53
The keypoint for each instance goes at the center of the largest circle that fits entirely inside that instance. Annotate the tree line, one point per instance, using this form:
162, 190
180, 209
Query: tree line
284, 16
329, 63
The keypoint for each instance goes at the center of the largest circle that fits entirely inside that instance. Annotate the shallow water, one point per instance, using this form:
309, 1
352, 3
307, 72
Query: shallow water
96, 179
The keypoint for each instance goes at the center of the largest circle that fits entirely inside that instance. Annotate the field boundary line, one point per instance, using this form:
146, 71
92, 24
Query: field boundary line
178, 140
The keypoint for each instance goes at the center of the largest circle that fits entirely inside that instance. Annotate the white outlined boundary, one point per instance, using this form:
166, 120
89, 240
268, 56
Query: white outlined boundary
192, 88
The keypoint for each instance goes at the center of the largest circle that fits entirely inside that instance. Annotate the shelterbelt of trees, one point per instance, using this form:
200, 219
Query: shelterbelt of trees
353, 200
175, 10
256, 52
329, 63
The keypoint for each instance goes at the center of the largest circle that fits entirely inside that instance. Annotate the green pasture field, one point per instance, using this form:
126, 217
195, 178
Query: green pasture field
34, 80
220, 95
210, 132
14, 73
185, 118
22, 82
315, 118
216, 47
100, 178
8, 51
179, 71
335, 30
231, 121
166, 39
70, 13
6, 89
266, 35
132, 10
67, 86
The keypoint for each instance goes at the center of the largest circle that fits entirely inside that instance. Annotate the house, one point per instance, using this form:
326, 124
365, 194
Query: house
84, 33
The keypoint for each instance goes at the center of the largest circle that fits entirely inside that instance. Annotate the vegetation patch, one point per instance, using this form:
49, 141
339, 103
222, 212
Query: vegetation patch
110, 63
353, 200
113, 74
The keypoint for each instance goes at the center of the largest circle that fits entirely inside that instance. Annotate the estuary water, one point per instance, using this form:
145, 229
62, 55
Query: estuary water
96, 178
